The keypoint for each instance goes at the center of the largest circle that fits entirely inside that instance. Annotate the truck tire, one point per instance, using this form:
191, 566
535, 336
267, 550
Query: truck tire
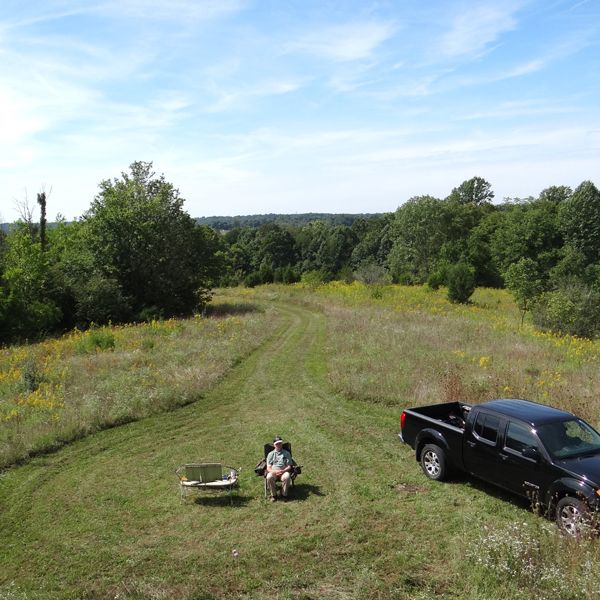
433, 462
573, 517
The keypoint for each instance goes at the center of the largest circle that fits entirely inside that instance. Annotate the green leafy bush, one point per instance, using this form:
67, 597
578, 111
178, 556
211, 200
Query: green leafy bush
314, 278
253, 279
434, 281
461, 283
94, 341
573, 310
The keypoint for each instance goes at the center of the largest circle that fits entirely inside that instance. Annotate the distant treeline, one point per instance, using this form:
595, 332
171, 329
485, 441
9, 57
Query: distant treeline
296, 220
546, 250
136, 254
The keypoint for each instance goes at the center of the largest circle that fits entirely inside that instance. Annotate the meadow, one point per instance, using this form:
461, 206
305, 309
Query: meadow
66, 388
92, 509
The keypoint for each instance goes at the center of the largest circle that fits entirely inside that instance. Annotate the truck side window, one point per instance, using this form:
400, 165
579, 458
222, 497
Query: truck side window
478, 428
518, 438
490, 428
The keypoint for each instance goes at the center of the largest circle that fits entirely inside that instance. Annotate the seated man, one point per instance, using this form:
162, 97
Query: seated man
279, 466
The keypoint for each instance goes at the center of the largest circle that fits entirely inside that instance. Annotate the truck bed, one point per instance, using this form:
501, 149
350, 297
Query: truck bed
451, 413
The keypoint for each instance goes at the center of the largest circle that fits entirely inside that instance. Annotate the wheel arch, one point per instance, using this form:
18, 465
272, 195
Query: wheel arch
568, 486
431, 436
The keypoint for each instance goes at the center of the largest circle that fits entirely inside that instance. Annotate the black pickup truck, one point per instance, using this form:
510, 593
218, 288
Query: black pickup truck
547, 455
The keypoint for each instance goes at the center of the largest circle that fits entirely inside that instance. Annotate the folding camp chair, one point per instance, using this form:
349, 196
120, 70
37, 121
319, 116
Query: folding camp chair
261, 467
206, 476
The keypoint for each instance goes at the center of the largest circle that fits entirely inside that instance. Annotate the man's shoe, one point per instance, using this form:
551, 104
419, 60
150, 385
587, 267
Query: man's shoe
284, 498
272, 499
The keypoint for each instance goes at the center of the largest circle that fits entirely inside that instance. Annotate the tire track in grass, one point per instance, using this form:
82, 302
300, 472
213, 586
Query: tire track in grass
113, 500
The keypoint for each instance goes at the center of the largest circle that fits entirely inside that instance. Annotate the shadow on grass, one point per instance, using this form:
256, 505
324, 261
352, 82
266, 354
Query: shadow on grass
222, 501
490, 490
301, 491
228, 309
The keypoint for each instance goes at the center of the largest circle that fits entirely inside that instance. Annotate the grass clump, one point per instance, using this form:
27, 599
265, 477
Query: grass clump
95, 341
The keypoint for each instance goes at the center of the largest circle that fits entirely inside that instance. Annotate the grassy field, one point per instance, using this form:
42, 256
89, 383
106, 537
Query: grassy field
101, 518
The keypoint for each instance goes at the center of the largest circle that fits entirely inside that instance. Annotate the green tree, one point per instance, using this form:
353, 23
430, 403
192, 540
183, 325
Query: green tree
556, 193
419, 229
523, 280
26, 309
579, 219
529, 229
141, 237
474, 191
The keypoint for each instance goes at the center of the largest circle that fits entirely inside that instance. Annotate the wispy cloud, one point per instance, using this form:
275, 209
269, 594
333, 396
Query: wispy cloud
347, 42
174, 9
243, 93
510, 110
476, 27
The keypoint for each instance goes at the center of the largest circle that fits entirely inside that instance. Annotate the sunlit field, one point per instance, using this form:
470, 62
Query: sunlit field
409, 346
62, 389
329, 368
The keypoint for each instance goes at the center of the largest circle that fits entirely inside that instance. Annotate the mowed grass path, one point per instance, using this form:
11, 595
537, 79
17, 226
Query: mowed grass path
102, 518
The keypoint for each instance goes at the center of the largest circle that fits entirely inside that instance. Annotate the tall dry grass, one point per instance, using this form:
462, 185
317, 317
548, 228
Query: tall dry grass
409, 346
63, 389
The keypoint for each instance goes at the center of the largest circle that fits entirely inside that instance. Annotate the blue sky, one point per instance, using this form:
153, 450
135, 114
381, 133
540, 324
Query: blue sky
251, 107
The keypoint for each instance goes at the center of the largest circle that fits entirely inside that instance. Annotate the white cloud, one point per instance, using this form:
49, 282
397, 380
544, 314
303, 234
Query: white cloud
347, 42
196, 10
476, 27
228, 99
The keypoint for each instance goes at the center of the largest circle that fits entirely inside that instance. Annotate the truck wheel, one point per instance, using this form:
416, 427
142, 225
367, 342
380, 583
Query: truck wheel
433, 462
573, 517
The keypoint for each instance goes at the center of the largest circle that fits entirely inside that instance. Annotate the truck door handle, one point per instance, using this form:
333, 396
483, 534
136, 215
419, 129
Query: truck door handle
472, 444
502, 455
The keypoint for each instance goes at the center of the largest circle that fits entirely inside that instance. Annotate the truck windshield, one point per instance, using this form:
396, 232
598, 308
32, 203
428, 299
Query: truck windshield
569, 439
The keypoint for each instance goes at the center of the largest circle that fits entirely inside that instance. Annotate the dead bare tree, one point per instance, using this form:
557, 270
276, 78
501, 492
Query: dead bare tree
26, 213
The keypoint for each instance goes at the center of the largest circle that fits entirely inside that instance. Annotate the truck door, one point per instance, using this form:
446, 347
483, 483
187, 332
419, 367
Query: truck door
480, 449
522, 475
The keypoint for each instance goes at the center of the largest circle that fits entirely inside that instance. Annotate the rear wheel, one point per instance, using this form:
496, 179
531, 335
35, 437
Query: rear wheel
433, 462
573, 517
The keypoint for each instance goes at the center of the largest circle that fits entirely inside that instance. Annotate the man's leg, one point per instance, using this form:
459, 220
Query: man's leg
272, 484
286, 478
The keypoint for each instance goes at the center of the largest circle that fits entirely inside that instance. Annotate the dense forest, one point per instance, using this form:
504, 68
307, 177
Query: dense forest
296, 220
136, 254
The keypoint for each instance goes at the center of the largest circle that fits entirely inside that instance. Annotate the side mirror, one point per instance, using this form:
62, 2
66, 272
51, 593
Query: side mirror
531, 453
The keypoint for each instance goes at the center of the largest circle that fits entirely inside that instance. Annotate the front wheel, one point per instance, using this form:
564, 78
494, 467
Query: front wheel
573, 517
433, 462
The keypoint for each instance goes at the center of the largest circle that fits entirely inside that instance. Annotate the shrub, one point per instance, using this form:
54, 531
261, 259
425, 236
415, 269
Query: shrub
461, 283
151, 313
370, 273
266, 273
377, 292
434, 281
314, 278
346, 275
573, 310
100, 300
253, 279
406, 279
94, 341
286, 275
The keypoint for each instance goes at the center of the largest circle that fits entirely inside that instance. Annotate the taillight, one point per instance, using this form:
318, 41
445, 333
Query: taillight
402, 420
